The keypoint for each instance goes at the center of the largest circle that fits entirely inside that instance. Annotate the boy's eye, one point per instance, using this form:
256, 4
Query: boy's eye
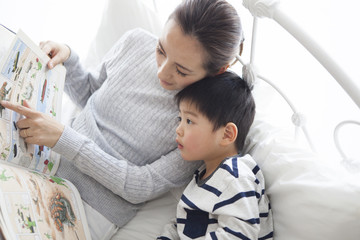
178, 119
188, 121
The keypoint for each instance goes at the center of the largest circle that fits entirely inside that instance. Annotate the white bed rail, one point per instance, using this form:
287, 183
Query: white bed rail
271, 9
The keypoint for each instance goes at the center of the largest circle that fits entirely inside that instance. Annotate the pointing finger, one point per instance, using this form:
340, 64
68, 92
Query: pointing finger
26, 111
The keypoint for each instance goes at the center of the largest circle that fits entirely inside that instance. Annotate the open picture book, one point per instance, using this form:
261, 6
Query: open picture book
34, 204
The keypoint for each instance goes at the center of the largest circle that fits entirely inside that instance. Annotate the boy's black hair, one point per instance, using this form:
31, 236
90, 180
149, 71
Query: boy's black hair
222, 99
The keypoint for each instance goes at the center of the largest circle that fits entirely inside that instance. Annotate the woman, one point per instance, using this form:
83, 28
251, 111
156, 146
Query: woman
120, 150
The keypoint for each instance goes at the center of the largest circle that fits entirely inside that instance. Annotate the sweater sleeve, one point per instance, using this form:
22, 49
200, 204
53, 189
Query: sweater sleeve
136, 184
80, 84
240, 217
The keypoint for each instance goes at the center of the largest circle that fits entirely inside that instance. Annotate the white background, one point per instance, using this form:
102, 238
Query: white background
333, 24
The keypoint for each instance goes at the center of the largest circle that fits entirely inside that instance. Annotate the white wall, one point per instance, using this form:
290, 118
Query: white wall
71, 22
278, 56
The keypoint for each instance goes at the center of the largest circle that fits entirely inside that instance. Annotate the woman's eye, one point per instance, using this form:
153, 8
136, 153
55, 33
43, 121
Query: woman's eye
159, 50
180, 73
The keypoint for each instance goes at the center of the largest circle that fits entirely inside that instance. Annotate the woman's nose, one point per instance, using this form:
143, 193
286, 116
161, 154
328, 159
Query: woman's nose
163, 71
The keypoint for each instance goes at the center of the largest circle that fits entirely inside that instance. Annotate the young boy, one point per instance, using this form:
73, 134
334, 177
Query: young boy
226, 198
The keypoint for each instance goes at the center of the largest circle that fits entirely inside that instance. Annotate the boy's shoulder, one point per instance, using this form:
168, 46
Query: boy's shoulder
242, 167
239, 163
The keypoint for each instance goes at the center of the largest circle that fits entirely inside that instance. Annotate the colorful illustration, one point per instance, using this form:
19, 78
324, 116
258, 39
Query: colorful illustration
3, 177
34, 205
61, 212
38, 205
4, 91
43, 91
25, 77
16, 62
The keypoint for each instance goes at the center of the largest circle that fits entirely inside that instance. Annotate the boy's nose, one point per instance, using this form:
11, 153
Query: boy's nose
179, 130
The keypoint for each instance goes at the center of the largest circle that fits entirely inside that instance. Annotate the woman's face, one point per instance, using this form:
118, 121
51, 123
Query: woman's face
180, 58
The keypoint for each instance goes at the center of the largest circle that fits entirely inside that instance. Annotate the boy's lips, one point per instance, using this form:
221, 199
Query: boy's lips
180, 146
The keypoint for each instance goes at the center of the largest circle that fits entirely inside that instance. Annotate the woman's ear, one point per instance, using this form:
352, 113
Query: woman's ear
223, 69
230, 134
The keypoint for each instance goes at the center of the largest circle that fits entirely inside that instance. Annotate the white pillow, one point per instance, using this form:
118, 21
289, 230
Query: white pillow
311, 198
118, 17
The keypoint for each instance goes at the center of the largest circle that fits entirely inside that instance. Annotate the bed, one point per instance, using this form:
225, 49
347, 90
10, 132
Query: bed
312, 197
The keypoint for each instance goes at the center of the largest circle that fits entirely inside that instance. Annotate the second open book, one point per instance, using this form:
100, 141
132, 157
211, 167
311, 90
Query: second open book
34, 204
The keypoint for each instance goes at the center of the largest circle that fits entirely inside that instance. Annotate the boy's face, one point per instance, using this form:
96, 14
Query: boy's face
195, 136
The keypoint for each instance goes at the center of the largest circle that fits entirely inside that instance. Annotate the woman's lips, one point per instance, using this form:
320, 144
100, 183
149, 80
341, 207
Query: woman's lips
165, 83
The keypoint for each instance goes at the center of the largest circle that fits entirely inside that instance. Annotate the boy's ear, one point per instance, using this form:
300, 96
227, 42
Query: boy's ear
230, 134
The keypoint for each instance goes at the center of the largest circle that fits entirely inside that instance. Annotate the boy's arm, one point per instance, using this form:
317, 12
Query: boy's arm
170, 232
239, 219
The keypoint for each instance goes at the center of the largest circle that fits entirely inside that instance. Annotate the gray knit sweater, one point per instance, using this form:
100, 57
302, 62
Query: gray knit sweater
120, 151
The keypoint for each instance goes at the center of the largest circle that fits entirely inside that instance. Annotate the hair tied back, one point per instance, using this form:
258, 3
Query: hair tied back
249, 75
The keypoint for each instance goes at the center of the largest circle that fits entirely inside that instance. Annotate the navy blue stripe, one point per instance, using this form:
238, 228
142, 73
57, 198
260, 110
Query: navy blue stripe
189, 203
270, 235
237, 234
264, 214
213, 236
256, 169
181, 220
184, 220
211, 189
235, 198
196, 176
213, 220
233, 171
252, 220
163, 238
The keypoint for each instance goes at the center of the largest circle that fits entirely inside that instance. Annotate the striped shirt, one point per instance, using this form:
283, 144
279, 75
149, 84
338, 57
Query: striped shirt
229, 204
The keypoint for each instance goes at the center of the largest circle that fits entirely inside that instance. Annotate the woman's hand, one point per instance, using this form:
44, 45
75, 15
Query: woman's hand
58, 53
36, 128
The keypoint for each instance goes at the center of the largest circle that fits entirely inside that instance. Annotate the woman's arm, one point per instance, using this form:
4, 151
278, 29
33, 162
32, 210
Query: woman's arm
136, 184
80, 83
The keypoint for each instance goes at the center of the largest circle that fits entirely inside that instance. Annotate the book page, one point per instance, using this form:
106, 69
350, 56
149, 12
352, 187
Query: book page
6, 38
38, 206
24, 76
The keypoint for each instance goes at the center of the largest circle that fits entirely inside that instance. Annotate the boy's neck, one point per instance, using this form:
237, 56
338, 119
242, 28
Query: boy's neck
213, 164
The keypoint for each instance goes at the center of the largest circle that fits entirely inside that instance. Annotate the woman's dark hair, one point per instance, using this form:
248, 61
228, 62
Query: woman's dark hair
222, 99
216, 25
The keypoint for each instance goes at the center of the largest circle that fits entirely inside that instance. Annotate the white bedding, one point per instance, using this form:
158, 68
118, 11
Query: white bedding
311, 199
